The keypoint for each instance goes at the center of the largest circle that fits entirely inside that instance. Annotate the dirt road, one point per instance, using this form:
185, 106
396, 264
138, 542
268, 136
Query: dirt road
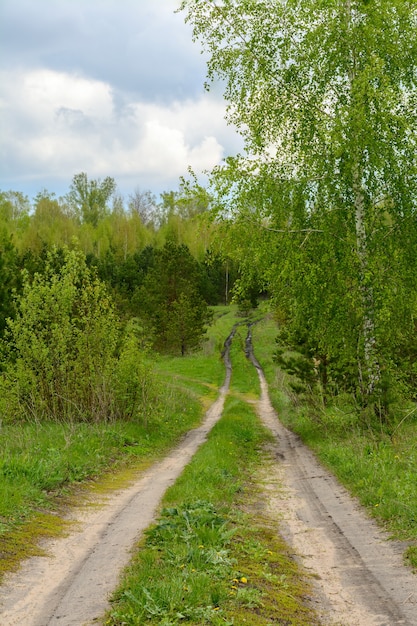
71, 587
360, 578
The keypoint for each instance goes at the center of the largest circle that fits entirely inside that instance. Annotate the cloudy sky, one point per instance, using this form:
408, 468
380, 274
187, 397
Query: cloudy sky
108, 87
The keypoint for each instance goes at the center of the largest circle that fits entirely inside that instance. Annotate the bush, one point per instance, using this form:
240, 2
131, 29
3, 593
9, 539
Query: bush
62, 360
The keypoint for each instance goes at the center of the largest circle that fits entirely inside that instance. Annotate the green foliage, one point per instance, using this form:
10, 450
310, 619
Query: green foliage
90, 198
218, 278
9, 278
63, 362
186, 323
120, 242
324, 204
64, 338
50, 224
170, 301
135, 387
14, 210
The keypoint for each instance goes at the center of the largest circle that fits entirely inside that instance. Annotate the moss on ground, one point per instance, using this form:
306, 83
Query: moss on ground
24, 541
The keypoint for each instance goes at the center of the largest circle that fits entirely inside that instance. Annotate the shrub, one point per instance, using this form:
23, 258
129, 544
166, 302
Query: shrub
62, 348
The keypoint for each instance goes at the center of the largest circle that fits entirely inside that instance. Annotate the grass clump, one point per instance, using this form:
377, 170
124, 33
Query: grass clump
206, 560
274, 591
191, 585
19, 545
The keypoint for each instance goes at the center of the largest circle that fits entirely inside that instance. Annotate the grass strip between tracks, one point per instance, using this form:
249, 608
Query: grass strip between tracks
212, 557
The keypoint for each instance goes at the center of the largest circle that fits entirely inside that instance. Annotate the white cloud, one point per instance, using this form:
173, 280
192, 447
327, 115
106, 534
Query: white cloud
89, 87
46, 92
63, 123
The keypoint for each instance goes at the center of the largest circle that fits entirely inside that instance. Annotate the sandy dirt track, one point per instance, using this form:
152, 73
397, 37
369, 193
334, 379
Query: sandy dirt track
359, 573
72, 586
360, 578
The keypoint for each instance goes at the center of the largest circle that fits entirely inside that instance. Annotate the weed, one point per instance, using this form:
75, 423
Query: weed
411, 557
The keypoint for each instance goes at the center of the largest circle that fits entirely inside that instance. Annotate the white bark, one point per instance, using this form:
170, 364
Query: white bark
371, 363
372, 368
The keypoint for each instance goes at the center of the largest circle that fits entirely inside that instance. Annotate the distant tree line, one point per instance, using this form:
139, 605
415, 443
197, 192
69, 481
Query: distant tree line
91, 285
155, 258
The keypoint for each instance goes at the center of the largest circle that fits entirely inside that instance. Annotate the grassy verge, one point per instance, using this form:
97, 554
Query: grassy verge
42, 464
377, 465
210, 559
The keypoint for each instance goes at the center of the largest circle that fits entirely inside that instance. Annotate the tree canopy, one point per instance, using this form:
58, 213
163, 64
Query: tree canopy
324, 94
171, 301
90, 198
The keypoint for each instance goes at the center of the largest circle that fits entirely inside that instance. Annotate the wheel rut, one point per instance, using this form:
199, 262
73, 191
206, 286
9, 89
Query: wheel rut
361, 577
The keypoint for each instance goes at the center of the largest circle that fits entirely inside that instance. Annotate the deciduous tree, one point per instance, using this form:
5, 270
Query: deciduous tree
91, 197
67, 357
325, 96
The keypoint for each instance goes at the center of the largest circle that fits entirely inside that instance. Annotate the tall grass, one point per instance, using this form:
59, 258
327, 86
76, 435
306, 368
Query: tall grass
42, 462
39, 460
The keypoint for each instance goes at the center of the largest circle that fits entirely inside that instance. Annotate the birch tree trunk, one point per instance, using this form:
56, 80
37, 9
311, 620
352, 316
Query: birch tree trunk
371, 378
370, 382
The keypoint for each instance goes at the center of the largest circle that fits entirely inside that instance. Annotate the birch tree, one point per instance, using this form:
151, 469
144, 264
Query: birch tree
324, 93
